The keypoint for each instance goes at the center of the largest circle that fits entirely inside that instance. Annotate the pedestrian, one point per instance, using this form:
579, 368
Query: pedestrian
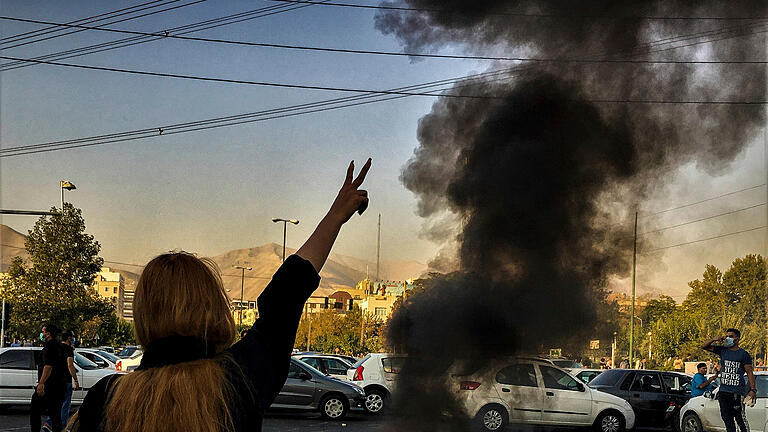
69, 355
624, 364
643, 363
15, 343
734, 363
191, 376
602, 363
678, 364
50, 391
700, 383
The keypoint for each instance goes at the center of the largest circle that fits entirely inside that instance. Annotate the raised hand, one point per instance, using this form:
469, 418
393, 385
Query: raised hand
350, 197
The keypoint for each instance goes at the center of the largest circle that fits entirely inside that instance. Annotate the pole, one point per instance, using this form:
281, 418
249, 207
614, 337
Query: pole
2, 327
613, 351
285, 229
632, 313
62, 199
378, 248
242, 289
650, 344
309, 330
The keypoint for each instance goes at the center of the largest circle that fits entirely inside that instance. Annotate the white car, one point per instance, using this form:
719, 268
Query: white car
130, 358
18, 375
329, 365
583, 374
535, 392
702, 413
376, 374
103, 359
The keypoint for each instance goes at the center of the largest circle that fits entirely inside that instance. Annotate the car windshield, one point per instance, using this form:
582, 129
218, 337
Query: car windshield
361, 361
111, 357
311, 369
84, 363
608, 378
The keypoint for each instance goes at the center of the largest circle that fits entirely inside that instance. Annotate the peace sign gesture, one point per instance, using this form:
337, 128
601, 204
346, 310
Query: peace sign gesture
350, 198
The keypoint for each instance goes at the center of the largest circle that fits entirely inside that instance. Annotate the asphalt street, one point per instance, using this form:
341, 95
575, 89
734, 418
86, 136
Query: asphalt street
16, 419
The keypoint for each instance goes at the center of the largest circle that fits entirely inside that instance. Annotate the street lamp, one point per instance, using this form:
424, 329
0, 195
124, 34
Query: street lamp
68, 185
242, 288
650, 344
285, 224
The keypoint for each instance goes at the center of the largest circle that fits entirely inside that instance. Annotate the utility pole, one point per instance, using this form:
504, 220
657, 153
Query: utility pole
2, 327
378, 249
632, 313
309, 330
242, 290
285, 229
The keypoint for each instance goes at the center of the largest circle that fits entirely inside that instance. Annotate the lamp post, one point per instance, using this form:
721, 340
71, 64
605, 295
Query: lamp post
242, 289
650, 344
285, 229
631, 365
613, 350
68, 185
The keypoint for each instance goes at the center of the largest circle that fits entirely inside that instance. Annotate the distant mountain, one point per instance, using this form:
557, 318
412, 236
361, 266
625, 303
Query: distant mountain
390, 270
11, 246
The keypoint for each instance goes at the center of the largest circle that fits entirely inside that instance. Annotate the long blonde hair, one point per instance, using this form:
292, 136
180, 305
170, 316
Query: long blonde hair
177, 294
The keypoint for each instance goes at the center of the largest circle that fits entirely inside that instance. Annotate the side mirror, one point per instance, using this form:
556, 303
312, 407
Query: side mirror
581, 387
305, 376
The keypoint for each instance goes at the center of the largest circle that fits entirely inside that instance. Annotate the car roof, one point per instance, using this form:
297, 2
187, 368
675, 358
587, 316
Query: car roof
20, 348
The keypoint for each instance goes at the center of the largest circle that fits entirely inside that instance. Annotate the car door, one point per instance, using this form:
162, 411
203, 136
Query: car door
678, 388
391, 367
758, 414
17, 375
519, 387
565, 400
298, 391
648, 398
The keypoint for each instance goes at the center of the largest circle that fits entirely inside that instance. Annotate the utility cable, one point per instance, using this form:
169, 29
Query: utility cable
703, 240
111, 22
86, 20
179, 30
520, 14
383, 53
702, 219
325, 105
703, 201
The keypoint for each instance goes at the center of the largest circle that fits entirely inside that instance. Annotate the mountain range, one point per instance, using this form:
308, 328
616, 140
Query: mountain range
339, 272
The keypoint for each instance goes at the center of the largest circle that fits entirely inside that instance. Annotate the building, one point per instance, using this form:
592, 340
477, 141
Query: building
244, 312
111, 285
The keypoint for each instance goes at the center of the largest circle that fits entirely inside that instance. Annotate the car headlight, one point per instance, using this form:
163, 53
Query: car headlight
360, 390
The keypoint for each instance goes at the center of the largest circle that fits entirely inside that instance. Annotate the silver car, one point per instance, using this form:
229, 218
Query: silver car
308, 389
103, 359
18, 375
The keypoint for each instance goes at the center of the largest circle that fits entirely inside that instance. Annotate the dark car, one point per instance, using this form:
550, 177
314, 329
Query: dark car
308, 389
655, 396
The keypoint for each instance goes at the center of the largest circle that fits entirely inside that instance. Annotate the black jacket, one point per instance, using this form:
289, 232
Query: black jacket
262, 357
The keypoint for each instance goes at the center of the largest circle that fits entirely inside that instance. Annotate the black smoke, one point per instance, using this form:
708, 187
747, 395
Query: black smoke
534, 175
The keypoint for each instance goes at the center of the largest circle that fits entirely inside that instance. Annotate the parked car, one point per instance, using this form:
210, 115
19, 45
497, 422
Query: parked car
655, 396
329, 365
702, 413
349, 359
376, 374
535, 392
584, 375
130, 358
565, 363
306, 388
18, 375
108, 349
103, 359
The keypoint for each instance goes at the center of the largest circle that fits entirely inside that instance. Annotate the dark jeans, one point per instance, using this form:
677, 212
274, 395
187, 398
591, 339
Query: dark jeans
732, 408
50, 403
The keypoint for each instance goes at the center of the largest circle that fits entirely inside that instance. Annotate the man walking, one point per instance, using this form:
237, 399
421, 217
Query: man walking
734, 362
68, 352
49, 394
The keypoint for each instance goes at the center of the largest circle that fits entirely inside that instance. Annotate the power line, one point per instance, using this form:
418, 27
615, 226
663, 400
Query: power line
520, 14
705, 239
704, 200
702, 219
222, 274
385, 53
87, 20
294, 110
180, 30
257, 83
111, 22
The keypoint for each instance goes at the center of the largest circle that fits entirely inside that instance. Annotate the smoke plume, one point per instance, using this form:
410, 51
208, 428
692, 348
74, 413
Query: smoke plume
536, 172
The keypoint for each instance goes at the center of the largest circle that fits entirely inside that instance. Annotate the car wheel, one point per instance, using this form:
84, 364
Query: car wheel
610, 421
692, 423
333, 408
492, 418
374, 401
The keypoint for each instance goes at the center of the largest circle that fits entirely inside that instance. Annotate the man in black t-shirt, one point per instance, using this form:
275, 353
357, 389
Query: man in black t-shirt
50, 391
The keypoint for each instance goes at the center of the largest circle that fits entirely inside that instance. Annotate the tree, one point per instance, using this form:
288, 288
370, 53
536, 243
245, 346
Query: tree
56, 285
331, 330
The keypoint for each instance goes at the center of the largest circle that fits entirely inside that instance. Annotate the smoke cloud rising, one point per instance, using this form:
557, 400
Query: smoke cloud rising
536, 175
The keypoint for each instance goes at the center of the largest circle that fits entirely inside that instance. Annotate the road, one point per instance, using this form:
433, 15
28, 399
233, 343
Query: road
17, 419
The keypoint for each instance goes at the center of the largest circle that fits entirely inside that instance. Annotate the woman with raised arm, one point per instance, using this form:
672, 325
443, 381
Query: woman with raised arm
191, 377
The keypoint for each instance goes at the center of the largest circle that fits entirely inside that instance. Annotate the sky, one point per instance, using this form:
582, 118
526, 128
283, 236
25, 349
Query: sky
216, 190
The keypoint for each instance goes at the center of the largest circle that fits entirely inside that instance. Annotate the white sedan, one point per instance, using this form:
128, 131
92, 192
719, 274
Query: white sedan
525, 391
702, 413
18, 375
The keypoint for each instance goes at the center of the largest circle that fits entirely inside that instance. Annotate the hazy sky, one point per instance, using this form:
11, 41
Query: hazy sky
216, 190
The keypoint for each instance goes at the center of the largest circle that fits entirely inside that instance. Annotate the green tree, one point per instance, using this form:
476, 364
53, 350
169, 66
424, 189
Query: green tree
56, 284
330, 329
